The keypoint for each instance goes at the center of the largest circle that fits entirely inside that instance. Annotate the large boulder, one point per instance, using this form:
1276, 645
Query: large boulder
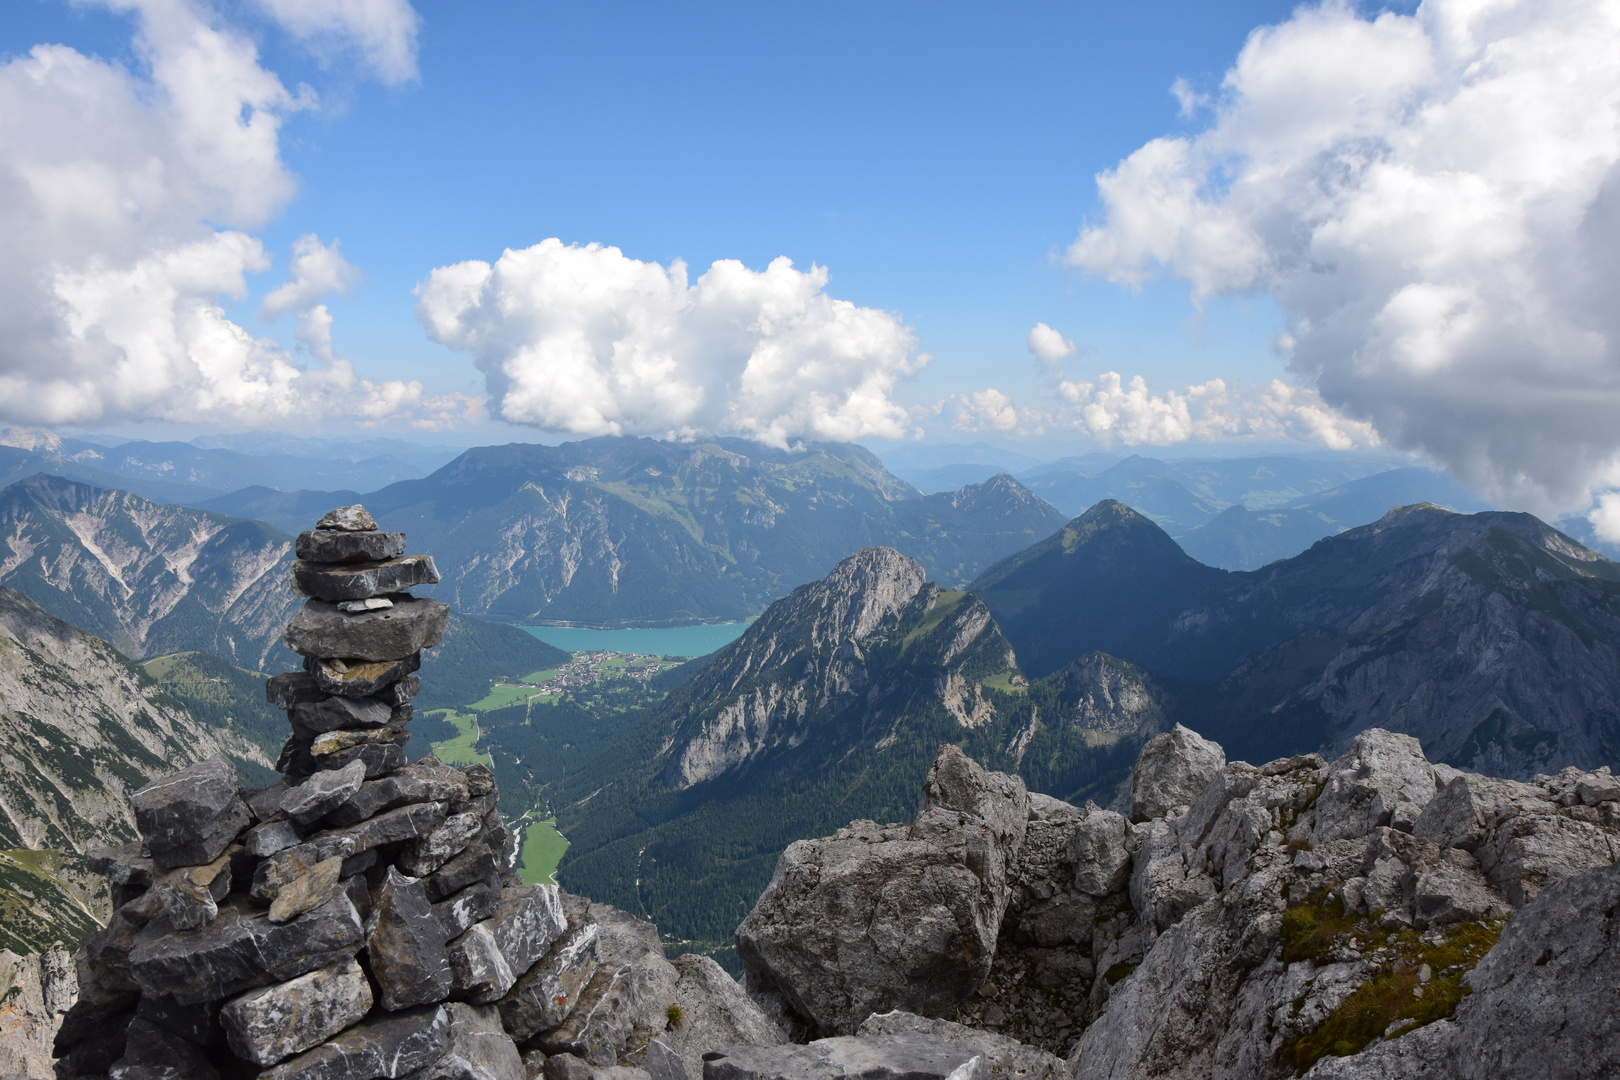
1382, 779
191, 816
271, 1024
1171, 770
875, 917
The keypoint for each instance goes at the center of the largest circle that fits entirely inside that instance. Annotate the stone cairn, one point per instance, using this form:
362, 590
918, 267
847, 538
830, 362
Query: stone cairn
351, 921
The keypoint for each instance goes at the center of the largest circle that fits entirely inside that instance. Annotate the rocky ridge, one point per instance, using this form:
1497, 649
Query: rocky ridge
1373, 916
355, 921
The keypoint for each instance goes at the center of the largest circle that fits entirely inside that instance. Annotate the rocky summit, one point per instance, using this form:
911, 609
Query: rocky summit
1373, 916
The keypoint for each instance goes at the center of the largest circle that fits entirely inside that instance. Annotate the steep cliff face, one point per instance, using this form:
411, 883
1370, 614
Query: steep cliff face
840, 660
81, 728
1491, 637
147, 577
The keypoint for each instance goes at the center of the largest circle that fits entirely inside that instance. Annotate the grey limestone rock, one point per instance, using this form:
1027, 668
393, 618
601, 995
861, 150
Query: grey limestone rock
663, 1063
291, 689
391, 1045
271, 1024
123, 865
626, 1002
488, 959
907, 1056
308, 891
321, 630
1005, 1058
189, 895
1102, 854
190, 816
1528, 851
864, 921
194, 1023
479, 1048
323, 792
153, 1053
241, 949
347, 519
406, 944
1544, 999
1465, 811
473, 904
1382, 779
330, 546
715, 1011
447, 840
270, 837
1171, 770
403, 823
543, 997
475, 864
361, 678
333, 712
362, 580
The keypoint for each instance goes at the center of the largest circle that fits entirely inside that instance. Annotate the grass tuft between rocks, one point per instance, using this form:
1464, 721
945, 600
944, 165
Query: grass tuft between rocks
1400, 996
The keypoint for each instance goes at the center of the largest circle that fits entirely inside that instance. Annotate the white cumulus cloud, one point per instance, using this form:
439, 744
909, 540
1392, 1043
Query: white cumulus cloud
1048, 345
1434, 201
383, 32
124, 200
585, 340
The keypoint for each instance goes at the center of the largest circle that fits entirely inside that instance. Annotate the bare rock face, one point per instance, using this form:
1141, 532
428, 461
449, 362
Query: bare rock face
269, 1025
715, 1011
406, 945
191, 816
1171, 771
1004, 1058
389, 635
876, 918
1382, 779
908, 1056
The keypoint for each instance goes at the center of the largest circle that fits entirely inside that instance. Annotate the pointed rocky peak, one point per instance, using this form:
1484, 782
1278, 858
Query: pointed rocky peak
862, 593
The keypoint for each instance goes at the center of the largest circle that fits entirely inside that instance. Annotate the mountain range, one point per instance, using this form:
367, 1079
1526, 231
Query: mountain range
1492, 637
622, 531
190, 472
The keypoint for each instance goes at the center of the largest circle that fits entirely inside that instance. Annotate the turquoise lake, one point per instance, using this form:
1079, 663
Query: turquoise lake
661, 641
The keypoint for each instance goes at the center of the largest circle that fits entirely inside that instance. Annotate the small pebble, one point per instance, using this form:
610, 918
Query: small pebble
354, 607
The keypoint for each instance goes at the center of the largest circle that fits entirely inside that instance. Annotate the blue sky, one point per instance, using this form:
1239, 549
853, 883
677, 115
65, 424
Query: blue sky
936, 158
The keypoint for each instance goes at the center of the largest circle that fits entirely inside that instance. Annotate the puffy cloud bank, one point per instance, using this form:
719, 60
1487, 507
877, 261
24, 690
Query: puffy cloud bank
585, 340
1434, 202
110, 291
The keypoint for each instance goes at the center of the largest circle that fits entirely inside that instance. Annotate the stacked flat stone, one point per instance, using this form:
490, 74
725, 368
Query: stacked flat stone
351, 921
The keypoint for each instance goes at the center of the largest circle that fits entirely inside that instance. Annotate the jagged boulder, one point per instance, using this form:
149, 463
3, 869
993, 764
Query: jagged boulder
902, 916
1171, 770
1382, 779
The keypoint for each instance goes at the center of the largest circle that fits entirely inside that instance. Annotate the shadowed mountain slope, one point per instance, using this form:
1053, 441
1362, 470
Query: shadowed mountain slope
1492, 637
